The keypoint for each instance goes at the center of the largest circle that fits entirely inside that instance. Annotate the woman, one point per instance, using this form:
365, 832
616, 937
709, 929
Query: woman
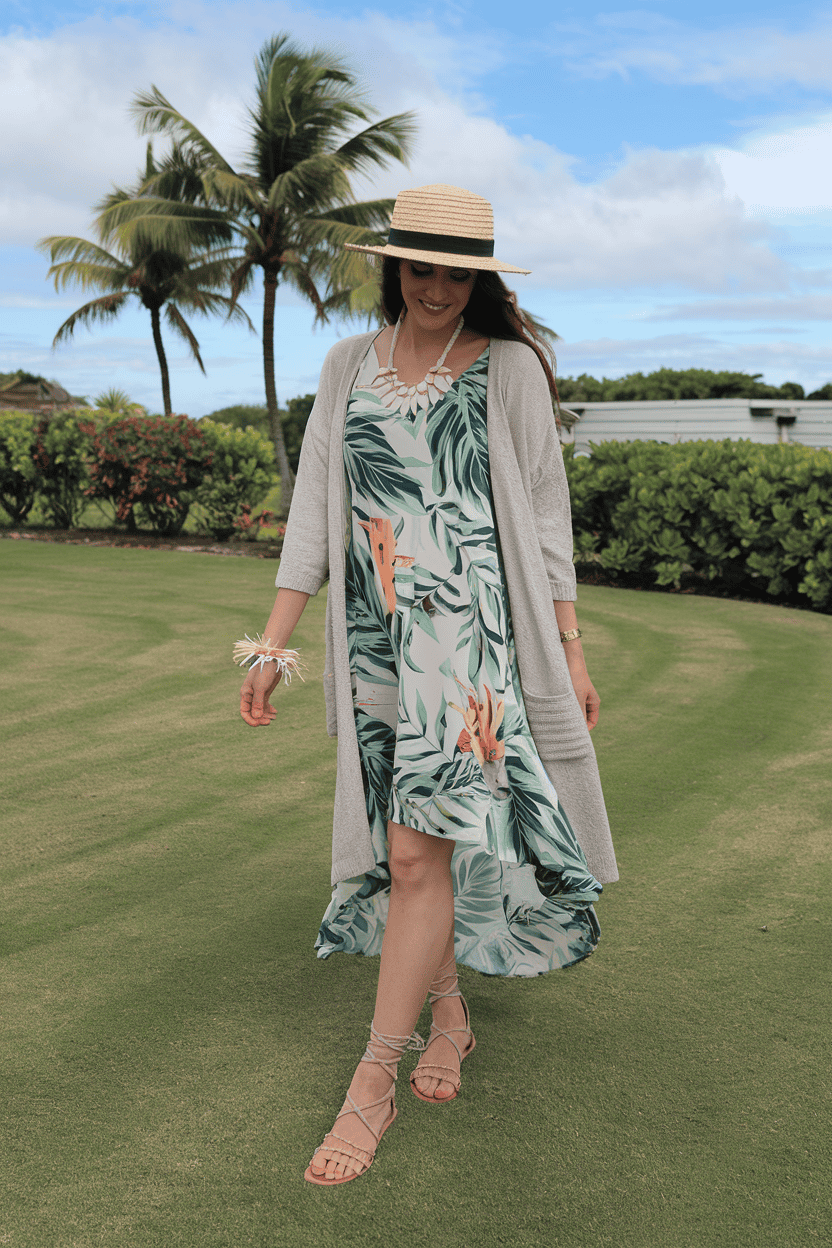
431, 489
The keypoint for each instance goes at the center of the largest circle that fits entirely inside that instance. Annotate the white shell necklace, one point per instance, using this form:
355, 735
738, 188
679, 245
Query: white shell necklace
403, 399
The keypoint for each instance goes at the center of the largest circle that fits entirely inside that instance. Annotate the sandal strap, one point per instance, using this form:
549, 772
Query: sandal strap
399, 1044
443, 974
447, 1075
364, 1155
446, 1032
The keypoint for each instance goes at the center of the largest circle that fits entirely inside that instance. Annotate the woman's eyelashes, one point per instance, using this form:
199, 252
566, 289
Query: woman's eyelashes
457, 275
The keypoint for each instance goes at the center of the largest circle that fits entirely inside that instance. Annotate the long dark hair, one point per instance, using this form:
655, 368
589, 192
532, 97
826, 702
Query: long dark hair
492, 311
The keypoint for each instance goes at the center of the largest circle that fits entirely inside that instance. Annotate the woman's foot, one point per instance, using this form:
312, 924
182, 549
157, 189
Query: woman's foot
448, 1015
369, 1085
369, 1109
437, 1076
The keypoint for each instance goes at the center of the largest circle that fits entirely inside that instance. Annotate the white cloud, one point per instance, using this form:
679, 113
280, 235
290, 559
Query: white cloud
739, 59
778, 361
789, 168
800, 308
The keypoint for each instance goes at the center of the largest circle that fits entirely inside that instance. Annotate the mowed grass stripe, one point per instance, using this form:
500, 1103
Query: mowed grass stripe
174, 1051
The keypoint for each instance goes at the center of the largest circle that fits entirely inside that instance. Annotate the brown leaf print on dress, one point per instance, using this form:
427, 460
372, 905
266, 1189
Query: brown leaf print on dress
482, 720
383, 548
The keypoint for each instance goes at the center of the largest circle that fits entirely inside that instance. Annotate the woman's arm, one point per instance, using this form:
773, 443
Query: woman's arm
588, 699
261, 681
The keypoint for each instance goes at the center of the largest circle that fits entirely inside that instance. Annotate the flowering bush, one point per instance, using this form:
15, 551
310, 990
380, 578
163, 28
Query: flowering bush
247, 527
148, 468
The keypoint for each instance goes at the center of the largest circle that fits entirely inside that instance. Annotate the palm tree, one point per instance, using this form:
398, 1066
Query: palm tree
172, 277
291, 202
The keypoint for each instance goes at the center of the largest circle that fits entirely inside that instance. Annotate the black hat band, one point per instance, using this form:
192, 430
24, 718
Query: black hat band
450, 244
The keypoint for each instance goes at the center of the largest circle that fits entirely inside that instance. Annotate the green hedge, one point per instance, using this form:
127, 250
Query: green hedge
151, 469
241, 474
18, 471
735, 512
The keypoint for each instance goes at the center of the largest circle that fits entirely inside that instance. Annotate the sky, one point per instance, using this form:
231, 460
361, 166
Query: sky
665, 171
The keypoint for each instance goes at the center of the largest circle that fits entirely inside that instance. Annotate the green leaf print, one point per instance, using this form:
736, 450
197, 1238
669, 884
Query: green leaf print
372, 470
421, 712
457, 436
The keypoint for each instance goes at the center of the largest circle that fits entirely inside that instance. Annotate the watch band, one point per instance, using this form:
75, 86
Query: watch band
572, 635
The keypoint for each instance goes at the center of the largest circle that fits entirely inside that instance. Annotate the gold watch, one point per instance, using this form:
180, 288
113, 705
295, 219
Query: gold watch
572, 635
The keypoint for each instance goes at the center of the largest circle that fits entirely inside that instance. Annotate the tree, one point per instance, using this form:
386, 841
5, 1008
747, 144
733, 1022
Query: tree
291, 202
179, 275
672, 383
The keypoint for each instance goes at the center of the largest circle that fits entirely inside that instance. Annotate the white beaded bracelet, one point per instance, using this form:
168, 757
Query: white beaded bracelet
261, 651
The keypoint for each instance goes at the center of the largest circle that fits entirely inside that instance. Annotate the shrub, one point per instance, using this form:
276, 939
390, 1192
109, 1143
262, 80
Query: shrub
293, 419
737, 511
241, 474
674, 383
62, 451
18, 472
148, 467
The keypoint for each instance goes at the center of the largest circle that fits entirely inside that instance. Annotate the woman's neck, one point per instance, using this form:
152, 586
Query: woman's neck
417, 342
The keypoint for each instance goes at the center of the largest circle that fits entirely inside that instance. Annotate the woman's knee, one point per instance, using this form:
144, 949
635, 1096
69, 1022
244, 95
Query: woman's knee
415, 859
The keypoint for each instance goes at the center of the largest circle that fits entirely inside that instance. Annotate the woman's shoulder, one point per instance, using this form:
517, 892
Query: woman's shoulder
516, 355
349, 349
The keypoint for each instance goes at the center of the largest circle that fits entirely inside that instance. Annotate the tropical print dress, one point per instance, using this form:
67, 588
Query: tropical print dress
444, 742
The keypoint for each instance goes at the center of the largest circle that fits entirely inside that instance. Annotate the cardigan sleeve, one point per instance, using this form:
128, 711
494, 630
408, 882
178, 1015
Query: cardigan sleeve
529, 406
304, 563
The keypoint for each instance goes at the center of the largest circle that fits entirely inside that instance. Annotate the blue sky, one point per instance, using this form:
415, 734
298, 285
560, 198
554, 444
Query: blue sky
663, 170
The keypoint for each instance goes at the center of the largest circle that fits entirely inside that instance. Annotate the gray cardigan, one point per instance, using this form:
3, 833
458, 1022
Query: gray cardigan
531, 505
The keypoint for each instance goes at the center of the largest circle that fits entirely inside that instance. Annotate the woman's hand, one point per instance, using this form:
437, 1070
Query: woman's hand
585, 692
258, 686
261, 682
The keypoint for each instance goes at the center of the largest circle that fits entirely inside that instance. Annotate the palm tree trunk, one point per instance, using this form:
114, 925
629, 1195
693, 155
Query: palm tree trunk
287, 477
163, 363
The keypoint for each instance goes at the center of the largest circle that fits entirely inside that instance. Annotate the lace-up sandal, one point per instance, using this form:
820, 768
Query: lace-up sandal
445, 975
400, 1045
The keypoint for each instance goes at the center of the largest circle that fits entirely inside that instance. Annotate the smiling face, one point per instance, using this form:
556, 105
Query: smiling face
435, 296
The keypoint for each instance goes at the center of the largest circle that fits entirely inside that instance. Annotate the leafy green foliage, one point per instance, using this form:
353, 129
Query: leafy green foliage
18, 474
154, 464
672, 383
825, 392
739, 512
293, 420
241, 473
241, 415
61, 455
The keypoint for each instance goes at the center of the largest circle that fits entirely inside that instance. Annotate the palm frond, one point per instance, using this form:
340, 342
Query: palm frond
150, 221
309, 186
78, 250
89, 276
384, 141
154, 114
106, 308
180, 326
369, 214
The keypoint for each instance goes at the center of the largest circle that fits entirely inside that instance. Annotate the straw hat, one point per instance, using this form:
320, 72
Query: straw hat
442, 225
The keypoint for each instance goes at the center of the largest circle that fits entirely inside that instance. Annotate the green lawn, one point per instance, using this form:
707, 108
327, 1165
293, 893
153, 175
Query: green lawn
173, 1051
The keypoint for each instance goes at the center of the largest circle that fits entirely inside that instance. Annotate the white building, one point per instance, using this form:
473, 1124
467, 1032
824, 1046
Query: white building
808, 422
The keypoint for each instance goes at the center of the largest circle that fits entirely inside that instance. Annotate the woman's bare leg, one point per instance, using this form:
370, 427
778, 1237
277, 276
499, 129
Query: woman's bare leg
419, 924
449, 1015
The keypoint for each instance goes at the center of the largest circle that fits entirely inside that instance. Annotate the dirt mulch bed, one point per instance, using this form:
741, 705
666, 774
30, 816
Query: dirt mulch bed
190, 542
